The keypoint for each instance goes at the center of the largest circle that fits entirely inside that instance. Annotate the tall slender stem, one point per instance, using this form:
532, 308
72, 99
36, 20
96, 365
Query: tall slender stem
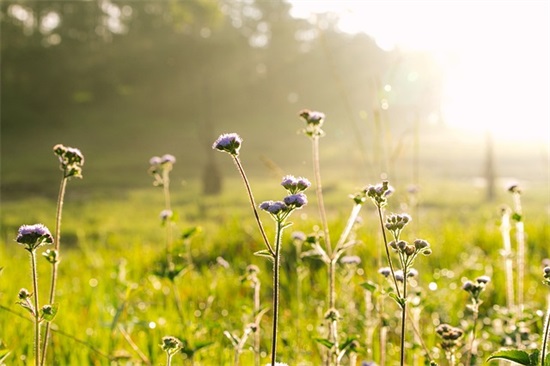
507, 254
276, 267
473, 333
257, 334
390, 263
252, 203
319, 192
403, 316
545, 337
57, 241
36, 309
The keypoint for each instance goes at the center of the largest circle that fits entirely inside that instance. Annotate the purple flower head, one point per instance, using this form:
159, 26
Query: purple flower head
295, 185
385, 271
296, 200
350, 259
165, 215
167, 158
483, 280
379, 193
34, 236
228, 142
412, 273
312, 117
71, 160
155, 160
399, 276
274, 207
298, 236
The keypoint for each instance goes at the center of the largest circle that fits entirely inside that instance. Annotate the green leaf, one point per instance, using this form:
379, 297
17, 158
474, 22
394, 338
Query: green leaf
512, 355
399, 300
325, 342
264, 253
516, 217
534, 357
547, 361
190, 232
369, 286
349, 341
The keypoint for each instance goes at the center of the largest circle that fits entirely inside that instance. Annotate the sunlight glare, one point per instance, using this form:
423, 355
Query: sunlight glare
494, 55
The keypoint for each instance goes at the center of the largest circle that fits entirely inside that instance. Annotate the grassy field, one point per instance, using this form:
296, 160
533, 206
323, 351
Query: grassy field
115, 310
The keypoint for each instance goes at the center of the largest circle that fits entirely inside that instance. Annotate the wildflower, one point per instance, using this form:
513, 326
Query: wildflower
449, 333
475, 288
228, 142
397, 222
314, 121
252, 269
34, 236
379, 193
350, 259
296, 200
385, 271
295, 185
514, 188
167, 158
332, 314
165, 215
71, 160
24, 294
155, 160
546, 280
170, 345
274, 207
298, 236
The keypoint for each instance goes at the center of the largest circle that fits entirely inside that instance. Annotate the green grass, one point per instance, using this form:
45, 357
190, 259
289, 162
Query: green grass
110, 247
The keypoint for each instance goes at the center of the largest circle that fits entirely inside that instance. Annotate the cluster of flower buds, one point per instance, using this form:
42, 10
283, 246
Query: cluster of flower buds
477, 287
379, 193
397, 222
386, 272
419, 246
314, 121
546, 280
229, 143
160, 167
171, 345
34, 236
279, 210
71, 160
450, 336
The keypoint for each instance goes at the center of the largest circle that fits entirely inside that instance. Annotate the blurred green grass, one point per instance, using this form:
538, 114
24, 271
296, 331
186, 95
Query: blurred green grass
110, 246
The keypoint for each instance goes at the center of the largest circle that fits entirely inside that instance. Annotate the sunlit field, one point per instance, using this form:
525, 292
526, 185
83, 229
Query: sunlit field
268, 183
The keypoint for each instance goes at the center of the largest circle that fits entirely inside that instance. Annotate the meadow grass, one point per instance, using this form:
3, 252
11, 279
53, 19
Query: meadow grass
111, 245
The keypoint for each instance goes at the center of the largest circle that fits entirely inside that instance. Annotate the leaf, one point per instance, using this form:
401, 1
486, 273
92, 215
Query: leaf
369, 286
516, 217
534, 357
349, 341
512, 355
190, 232
264, 253
325, 342
547, 361
399, 300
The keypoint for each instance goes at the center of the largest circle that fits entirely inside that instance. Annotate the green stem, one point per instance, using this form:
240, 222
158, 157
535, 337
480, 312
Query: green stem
257, 334
403, 315
36, 312
545, 337
473, 333
319, 192
57, 241
390, 263
252, 203
276, 267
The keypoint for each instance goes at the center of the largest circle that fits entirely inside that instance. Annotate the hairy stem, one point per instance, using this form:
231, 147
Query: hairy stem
276, 267
475, 309
57, 241
403, 316
36, 312
253, 203
390, 263
319, 192
545, 337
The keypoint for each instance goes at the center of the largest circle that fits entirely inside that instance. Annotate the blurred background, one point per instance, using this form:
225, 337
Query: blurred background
412, 90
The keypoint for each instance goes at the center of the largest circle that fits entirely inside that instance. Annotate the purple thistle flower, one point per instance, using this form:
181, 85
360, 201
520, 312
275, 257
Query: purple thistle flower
385, 271
295, 185
303, 184
350, 259
155, 160
167, 158
273, 207
228, 142
34, 236
312, 117
483, 279
296, 200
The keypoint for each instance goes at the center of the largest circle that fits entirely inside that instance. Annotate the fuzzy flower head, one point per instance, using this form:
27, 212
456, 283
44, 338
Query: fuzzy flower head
296, 200
278, 209
314, 121
546, 272
71, 160
165, 215
450, 336
475, 288
379, 193
229, 143
160, 167
34, 236
295, 185
171, 345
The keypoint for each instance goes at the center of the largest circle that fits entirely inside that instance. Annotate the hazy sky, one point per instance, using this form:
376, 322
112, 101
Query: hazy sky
496, 54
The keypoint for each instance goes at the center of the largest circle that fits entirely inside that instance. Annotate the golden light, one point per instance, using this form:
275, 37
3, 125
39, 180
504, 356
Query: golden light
495, 55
